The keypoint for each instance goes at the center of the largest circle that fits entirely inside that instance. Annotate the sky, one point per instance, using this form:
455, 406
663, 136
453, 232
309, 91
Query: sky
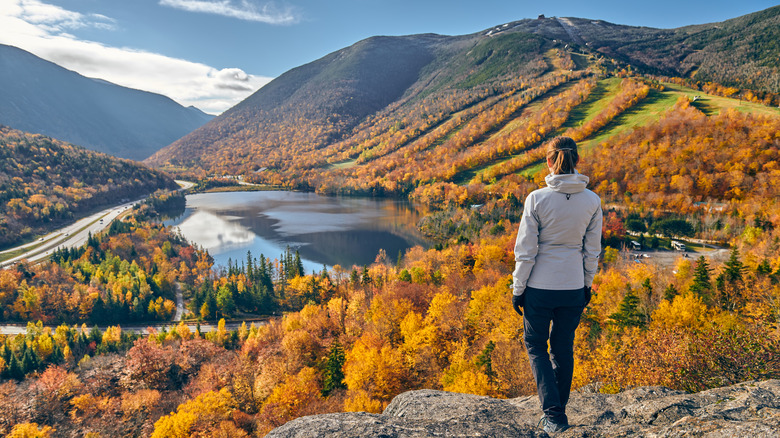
214, 53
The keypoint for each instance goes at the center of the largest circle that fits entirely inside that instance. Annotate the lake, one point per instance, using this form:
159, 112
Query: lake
325, 230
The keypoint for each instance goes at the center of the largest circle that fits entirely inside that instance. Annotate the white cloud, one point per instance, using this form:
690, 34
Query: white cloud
243, 10
42, 29
56, 19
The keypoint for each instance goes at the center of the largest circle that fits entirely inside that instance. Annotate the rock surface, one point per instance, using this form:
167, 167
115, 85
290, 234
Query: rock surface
750, 409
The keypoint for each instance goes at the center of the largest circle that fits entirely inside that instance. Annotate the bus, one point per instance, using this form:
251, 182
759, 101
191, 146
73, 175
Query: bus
678, 246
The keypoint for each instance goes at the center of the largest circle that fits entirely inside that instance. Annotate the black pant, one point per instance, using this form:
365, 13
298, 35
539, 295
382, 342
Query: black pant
553, 372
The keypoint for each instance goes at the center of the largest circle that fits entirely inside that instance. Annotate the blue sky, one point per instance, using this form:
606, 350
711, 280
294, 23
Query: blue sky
214, 53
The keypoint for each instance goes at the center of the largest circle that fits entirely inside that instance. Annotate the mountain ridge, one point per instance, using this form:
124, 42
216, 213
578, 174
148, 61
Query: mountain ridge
42, 97
323, 102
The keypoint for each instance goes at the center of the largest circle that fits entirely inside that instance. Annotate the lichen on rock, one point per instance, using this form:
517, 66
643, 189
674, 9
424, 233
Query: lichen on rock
746, 409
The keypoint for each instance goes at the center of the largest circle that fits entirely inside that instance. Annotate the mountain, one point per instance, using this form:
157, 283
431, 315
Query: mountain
331, 120
38, 96
45, 182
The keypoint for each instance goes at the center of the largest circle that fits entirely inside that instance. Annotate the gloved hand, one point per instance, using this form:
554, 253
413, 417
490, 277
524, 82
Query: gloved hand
517, 302
587, 295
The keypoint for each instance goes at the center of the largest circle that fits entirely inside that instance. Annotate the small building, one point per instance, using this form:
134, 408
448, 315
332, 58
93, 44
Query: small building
636, 246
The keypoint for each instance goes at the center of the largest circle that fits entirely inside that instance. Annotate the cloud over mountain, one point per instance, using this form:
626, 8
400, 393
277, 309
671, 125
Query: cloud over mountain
43, 29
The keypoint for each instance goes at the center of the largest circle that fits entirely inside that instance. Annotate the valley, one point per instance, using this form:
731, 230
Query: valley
381, 261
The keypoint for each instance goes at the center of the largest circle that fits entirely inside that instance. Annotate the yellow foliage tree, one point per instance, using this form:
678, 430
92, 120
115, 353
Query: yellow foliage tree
196, 416
287, 399
30, 430
375, 368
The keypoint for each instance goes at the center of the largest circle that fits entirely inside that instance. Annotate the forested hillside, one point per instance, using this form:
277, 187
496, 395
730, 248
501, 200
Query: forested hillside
44, 182
422, 89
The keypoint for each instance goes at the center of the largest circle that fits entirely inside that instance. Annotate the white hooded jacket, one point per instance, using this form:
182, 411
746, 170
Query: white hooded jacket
559, 239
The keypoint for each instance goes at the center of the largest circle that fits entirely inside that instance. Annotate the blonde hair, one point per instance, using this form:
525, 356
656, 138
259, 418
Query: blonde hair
562, 153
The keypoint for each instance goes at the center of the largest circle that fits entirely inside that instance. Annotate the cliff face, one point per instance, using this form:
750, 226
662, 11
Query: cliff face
750, 409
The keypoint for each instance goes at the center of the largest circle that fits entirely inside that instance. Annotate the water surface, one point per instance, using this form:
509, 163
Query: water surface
325, 230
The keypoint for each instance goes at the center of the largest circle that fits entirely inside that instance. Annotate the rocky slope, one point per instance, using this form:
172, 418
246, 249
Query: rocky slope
750, 409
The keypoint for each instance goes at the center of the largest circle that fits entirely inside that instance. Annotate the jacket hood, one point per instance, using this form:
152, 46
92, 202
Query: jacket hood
567, 182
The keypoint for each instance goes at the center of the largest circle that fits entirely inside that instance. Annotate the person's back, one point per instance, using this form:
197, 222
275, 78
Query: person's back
567, 245
556, 255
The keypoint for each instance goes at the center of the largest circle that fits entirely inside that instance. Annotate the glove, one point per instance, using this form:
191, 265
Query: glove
587, 295
517, 302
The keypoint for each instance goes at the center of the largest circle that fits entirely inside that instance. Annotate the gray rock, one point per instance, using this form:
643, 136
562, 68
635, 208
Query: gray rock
750, 409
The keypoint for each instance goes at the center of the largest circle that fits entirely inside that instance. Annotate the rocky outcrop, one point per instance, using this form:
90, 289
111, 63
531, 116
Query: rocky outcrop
750, 409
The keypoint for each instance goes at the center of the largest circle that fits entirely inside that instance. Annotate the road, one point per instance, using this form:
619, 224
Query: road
179, 303
16, 329
73, 235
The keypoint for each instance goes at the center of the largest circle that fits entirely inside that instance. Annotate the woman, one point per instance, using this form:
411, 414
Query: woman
556, 256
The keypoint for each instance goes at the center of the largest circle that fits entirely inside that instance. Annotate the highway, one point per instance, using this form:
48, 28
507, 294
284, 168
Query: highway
73, 235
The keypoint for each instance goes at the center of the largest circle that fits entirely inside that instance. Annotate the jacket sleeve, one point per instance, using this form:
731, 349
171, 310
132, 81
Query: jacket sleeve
526, 246
591, 246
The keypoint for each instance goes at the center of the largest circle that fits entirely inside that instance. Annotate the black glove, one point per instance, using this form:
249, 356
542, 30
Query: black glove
587, 295
517, 302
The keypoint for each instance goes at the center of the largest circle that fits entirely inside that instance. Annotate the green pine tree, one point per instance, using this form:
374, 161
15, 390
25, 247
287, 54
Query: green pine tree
730, 283
734, 268
764, 268
628, 314
670, 292
15, 370
702, 285
30, 361
56, 356
333, 375
298, 265
365, 278
486, 359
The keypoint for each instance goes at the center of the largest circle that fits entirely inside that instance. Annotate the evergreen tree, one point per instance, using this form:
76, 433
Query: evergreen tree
734, 268
56, 356
486, 359
210, 304
702, 285
250, 269
731, 282
265, 273
354, 278
670, 292
365, 278
628, 314
333, 375
95, 335
15, 370
30, 361
764, 268
298, 265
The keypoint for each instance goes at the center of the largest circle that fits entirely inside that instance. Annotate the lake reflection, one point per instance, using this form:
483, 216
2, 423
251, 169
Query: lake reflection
325, 230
